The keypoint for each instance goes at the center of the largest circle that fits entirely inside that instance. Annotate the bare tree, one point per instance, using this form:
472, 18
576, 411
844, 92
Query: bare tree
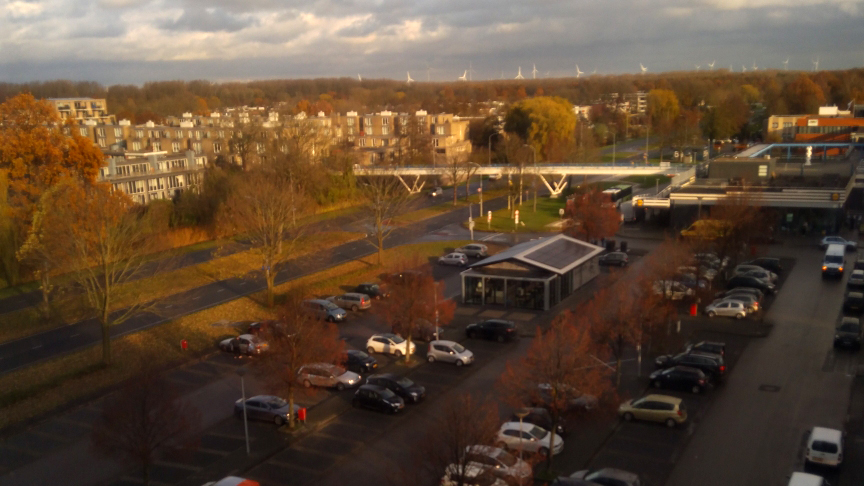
298, 339
145, 417
264, 207
456, 166
383, 198
247, 141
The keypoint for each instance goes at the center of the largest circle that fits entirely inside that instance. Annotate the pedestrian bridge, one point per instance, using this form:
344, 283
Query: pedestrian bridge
561, 171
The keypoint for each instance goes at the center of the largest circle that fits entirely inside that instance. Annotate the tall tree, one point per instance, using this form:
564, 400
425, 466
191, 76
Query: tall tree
298, 339
247, 142
384, 198
592, 215
803, 96
663, 110
143, 418
544, 122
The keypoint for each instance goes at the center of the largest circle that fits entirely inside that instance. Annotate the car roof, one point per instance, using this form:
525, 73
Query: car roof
663, 398
355, 294
388, 335
247, 336
850, 320
857, 273
319, 301
515, 425
611, 472
500, 321
855, 295
805, 479
376, 388
387, 376
442, 341
826, 434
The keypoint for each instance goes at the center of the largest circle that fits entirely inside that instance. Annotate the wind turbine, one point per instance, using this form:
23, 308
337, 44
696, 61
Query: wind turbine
470, 70
359, 78
754, 66
464, 76
786, 64
409, 80
534, 72
643, 68
519, 76
743, 68
594, 72
816, 65
578, 72
697, 67
711, 65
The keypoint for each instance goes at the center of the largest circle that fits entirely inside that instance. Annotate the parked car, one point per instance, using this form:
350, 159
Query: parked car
399, 385
671, 289
690, 281
449, 352
576, 400
260, 327
352, 300
758, 294
856, 280
655, 408
492, 329
327, 375
824, 447
247, 344
702, 271
726, 308
541, 417
680, 378
712, 365
377, 398
233, 481
752, 282
389, 343
711, 259
499, 460
853, 302
324, 310
359, 362
376, 291
475, 250
848, 333
458, 259
267, 408
608, 477
836, 240
471, 474
423, 331
713, 347
768, 263
806, 479
436, 192
756, 271
528, 438
615, 258
750, 302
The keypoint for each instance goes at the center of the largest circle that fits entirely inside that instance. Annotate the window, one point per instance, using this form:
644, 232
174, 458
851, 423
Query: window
439, 129
136, 145
175, 146
139, 133
368, 121
349, 122
118, 133
775, 125
196, 147
83, 131
197, 134
385, 121
100, 132
221, 133
385, 130
434, 142
259, 147
217, 147
157, 146
362, 142
178, 134
101, 142
787, 124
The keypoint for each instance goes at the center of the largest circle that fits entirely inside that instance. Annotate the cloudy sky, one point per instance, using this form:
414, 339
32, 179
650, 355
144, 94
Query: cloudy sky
134, 41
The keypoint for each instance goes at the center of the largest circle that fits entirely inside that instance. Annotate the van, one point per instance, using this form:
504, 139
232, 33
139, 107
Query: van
707, 229
824, 447
806, 479
834, 260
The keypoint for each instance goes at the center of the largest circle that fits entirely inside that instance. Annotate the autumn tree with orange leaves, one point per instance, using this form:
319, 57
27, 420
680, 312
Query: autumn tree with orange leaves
416, 299
297, 339
560, 368
591, 215
35, 154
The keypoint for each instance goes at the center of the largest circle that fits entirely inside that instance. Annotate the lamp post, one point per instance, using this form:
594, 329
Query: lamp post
241, 372
435, 300
522, 414
534, 151
614, 143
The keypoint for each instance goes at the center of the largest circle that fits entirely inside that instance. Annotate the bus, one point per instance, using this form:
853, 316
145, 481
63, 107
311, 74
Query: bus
619, 192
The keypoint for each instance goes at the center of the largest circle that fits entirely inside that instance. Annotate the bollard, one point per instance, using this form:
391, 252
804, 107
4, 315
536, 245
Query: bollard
693, 309
301, 415
184, 345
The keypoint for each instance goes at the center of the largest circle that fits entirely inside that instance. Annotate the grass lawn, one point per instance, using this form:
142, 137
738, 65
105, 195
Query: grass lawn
39, 389
647, 180
446, 204
619, 156
529, 221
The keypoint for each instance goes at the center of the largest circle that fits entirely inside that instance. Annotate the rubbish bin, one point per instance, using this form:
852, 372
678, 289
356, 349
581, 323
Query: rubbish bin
610, 245
694, 309
624, 246
301, 415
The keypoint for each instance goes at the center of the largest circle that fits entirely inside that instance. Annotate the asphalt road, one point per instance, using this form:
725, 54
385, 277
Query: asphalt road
32, 349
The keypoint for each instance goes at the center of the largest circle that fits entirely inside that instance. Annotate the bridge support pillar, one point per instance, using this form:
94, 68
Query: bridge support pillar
556, 188
414, 188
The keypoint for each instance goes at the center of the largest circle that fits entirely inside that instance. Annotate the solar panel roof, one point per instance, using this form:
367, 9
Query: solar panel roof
559, 254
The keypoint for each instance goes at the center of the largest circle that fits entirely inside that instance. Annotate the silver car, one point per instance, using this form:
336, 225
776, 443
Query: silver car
325, 310
352, 300
449, 352
265, 407
608, 475
727, 308
453, 259
756, 271
327, 375
750, 302
475, 250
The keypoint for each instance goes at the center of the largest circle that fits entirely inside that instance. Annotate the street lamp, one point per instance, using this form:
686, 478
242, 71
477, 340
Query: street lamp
534, 151
522, 414
241, 372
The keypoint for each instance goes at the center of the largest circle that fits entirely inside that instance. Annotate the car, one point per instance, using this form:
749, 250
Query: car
702, 271
756, 293
497, 459
454, 258
756, 271
711, 260
760, 274
492, 329
352, 300
233, 481
528, 438
475, 250
376, 291
848, 333
615, 258
859, 263
690, 281
680, 378
576, 400
449, 352
608, 477
247, 344
327, 375
853, 302
856, 280
824, 447
726, 308
422, 330
752, 282
436, 192
671, 289
768, 263
806, 479
389, 343
539, 416
836, 240
261, 327
377, 398
655, 408
471, 474
713, 347
324, 310
712, 365
750, 302
267, 408
400, 385
359, 362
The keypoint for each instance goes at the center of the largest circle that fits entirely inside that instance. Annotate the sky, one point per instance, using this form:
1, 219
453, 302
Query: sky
136, 41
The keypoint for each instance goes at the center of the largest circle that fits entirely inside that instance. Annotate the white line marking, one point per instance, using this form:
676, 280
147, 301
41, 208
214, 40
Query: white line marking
36, 347
76, 334
220, 290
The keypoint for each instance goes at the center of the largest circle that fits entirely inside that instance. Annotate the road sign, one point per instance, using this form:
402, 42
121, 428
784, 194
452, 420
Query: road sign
516, 213
489, 216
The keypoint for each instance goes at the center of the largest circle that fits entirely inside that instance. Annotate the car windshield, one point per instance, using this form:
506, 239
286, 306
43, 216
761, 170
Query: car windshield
385, 393
849, 327
405, 382
397, 339
338, 370
330, 306
458, 348
506, 458
824, 446
833, 259
277, 402
537, 432
360, 354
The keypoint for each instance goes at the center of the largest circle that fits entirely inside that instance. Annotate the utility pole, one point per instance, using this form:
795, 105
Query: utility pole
534, 151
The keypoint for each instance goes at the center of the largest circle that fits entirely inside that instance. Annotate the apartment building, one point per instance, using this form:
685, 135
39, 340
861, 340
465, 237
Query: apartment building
637, 102
781, 127
81, 110
150, 175
376, 136
829, 125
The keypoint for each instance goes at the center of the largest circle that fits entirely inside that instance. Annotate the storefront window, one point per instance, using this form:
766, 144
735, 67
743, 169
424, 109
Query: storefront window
473, 290
526, 294
494, 289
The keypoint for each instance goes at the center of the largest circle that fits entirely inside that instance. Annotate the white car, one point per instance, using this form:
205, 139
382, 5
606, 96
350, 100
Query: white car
471, 474
530, 438
453, 259
671, 289
475, 250
436, 192
449, 352
727, 308
825, 447
608, 475
389, 343
498, 459
244, 344
836, 240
